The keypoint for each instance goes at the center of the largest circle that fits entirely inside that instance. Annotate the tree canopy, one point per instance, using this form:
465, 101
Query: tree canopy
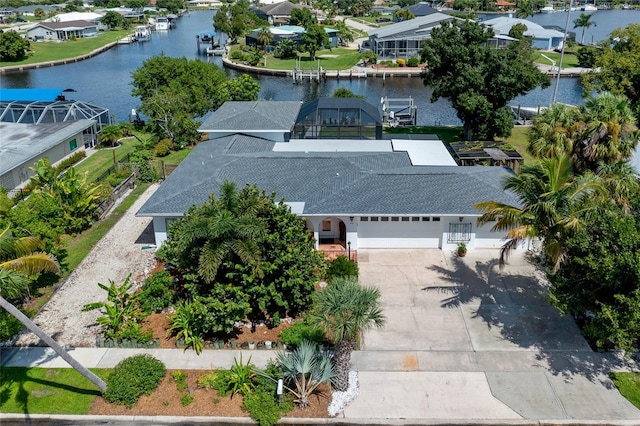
243, 254
617, 62
176, 91
314, 39
13, 47
477, 79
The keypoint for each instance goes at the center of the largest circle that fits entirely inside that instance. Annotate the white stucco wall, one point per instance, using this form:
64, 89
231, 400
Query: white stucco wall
391, 234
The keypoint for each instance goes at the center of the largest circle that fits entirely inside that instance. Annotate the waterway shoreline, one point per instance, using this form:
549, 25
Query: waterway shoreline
26, 67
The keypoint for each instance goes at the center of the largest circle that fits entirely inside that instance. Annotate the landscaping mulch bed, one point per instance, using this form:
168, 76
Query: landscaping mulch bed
166, 401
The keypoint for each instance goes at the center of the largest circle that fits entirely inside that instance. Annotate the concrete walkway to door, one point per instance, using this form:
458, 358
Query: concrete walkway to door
465, 341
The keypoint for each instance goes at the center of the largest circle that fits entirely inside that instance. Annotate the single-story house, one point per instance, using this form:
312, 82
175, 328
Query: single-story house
60, 31
211, 4
22, 145
278, 13
293, 32
421, 9
395, 193
30, 10
402, 39
542, 38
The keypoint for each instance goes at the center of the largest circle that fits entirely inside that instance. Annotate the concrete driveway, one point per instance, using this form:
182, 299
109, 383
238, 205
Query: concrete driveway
465, 340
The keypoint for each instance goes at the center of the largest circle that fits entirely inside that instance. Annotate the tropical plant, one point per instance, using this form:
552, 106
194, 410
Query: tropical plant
19, 259
342, 266
303, 370
607, 131
157, 292
552, 132
300, 331
345, 309
239, 379
121, 319
265, 37
553, 201
584, 21
314, 39
186, 324
285, 48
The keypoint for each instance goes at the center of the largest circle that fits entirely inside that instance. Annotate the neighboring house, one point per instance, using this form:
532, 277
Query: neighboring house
45, 106
77, 16
211, 4
421, 9
278, 13
293, 32
403, 192
402, 40
22, 145
542, 38
60, 31
31, 9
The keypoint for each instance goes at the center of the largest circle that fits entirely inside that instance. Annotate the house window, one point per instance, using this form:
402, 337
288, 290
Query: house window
395, 219
459, 233
405, 219
415, 219
326, 225
436, 219
426, 219
73, 144
384, 219
374, 219
364, 219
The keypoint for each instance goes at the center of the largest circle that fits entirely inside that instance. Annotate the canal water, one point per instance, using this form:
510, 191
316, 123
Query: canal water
105, 79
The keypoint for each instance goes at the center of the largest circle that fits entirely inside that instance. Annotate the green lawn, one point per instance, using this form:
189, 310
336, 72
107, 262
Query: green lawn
568, 61
99, 162
50, 51
335, 59
629, 386
519, 140
46, 390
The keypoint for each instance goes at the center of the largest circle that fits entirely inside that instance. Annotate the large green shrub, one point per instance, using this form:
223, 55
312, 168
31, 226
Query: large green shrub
157, 292
413, 62
133, 377
341, 266
263, 407
301, 330
163, 148
236, 55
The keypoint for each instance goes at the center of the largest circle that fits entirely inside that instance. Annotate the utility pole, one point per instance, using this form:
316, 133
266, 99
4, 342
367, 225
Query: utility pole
564, 44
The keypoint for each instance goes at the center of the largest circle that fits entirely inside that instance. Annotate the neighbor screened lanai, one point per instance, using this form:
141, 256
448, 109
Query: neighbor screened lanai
338, 118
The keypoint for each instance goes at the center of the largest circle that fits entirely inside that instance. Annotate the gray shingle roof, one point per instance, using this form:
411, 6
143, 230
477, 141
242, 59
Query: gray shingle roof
410, 25
332, 183
251, 116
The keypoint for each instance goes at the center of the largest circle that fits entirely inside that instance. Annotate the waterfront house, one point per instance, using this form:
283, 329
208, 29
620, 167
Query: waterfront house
542, 38
60, 31
401, 192
292, 32
402, 39
277, 13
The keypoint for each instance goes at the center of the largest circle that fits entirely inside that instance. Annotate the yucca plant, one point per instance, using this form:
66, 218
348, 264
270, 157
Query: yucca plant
303, 370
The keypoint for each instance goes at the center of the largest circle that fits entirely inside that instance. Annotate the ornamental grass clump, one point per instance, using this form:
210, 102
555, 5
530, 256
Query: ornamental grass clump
133, 377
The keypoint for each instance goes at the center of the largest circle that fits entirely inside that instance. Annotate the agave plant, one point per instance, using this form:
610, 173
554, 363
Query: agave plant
303, 370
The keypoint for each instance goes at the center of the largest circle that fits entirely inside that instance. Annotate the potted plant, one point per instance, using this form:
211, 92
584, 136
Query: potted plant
462, 249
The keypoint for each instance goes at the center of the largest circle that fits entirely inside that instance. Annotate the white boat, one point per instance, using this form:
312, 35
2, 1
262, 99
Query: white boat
547, 9
162, 23
589, 8
142, 33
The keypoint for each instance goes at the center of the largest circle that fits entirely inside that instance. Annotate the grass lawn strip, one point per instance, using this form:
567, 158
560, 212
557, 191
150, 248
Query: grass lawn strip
100, 161
47, 390
629, 386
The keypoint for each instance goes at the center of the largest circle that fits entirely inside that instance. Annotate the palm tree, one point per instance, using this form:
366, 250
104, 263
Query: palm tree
345, 309
19, 258
583, 21
265, 37
553, 200
219, 231
607, 132
109, 135
552, 132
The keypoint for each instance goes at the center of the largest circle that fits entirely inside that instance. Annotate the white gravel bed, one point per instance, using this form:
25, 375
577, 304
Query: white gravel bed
116, 255
340, 400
